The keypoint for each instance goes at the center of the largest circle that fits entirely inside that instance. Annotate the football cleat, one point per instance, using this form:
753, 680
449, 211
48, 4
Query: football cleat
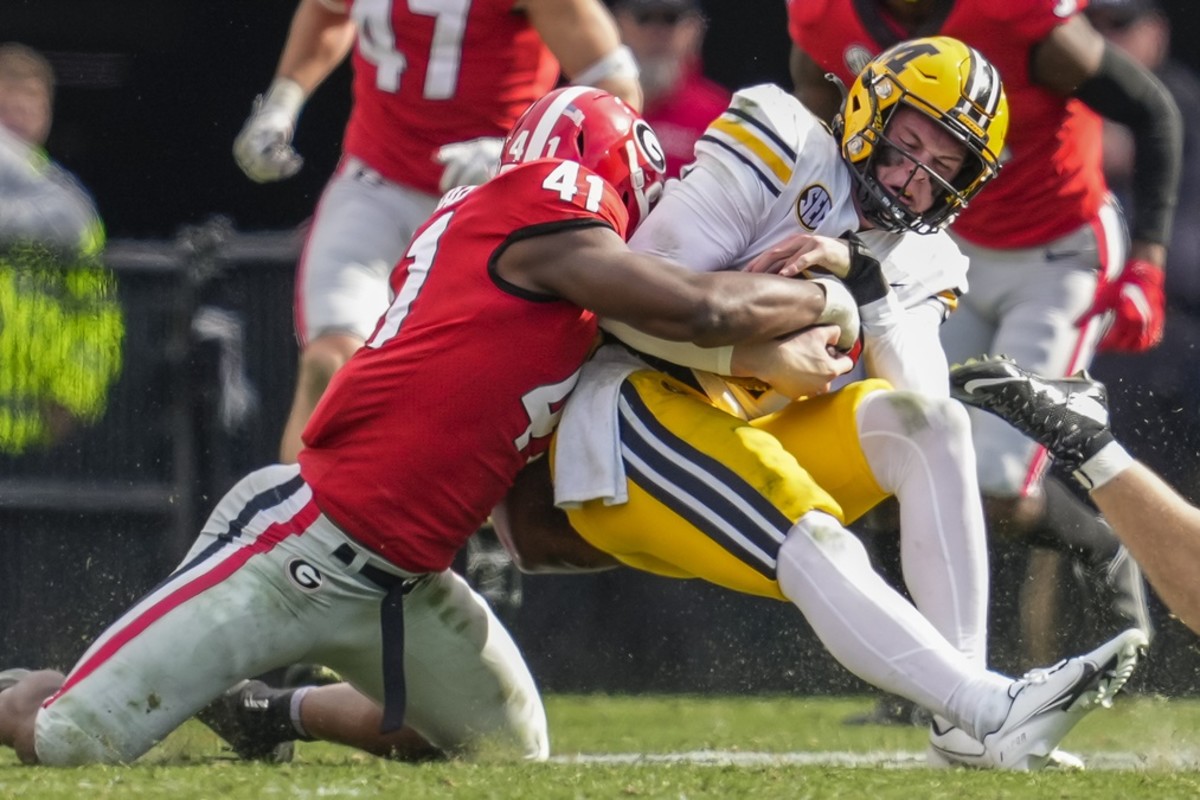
1047, 703
241, 716
951, 746
11, 677
1067, 416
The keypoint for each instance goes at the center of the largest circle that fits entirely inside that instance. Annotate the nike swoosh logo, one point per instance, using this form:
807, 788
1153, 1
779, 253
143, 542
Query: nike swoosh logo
982, 383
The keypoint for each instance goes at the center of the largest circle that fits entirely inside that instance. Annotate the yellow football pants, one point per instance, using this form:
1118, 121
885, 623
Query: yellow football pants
712, 496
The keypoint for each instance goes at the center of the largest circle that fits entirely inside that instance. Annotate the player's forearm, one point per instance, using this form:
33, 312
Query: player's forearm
1162, 532
583, 36
820, 95
318, 40
743, 308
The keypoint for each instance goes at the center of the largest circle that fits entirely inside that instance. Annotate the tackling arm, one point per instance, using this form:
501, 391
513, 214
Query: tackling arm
593, 268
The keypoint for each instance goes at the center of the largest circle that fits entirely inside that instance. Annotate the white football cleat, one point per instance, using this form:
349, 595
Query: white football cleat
1047, 703
951, 746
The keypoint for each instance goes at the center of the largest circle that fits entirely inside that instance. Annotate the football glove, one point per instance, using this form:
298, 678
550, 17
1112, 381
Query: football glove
1138, 303
263, 148
469, 163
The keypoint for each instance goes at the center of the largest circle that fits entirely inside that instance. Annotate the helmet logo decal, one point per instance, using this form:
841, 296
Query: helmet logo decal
813, 206
648, 144
304, 575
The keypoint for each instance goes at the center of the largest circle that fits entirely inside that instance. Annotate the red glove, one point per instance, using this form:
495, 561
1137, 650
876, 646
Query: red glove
1138, 304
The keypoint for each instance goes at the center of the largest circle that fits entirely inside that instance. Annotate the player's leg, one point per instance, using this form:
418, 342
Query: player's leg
466, 684
710, 496
714, 497
919, 449
360, 230
200, 630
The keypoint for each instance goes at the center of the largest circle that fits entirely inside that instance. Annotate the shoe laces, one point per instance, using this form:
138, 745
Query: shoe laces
1050, 422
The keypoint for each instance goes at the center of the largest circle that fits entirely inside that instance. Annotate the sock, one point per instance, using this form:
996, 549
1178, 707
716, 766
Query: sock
864, 623
981, 703
297, 697
276, 713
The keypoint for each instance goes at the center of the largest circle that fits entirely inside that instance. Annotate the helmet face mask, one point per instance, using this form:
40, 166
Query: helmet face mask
947, 82
602, 133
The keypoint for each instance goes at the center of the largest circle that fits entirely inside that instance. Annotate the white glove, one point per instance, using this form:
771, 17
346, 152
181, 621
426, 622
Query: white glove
263, 149
469, 163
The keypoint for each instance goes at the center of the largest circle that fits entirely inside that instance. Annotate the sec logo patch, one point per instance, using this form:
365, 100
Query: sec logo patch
813, 206
306, 577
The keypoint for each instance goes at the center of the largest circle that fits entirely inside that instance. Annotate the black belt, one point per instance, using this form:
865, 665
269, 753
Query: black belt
380, 577
391, 623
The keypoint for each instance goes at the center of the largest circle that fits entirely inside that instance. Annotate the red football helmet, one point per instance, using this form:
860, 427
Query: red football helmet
601, 132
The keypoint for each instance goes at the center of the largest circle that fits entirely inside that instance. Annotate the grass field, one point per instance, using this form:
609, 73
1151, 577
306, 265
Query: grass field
669, 747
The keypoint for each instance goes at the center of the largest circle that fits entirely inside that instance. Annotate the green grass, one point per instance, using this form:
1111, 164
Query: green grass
191, 763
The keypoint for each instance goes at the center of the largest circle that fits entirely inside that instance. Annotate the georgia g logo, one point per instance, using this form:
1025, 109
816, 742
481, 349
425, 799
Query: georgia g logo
306, 577
648, 144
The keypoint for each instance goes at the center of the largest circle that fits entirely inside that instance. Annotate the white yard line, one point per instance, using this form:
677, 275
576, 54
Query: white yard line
1189, 760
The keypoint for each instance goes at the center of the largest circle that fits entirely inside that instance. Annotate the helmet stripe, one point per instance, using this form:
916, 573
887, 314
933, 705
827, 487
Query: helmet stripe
983, 91
541, 134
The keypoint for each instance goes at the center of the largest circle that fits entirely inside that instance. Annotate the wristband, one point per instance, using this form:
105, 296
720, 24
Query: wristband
284, 95
618, 63
1101, 468
865, 278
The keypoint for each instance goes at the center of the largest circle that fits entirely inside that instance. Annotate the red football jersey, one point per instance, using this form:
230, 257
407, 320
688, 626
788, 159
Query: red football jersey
431, 73
422, 432
1052, 181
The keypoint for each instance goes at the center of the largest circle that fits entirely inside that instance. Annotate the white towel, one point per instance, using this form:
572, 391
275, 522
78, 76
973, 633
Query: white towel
587, 458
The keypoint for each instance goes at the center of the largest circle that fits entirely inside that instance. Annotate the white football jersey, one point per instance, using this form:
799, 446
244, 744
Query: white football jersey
766, 169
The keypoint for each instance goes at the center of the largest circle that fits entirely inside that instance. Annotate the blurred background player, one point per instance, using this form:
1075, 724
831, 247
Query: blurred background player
61, 325
1153, 399
665, 37
1050, 268
435, 90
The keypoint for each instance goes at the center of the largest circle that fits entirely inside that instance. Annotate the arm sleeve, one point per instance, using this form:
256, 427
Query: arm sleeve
1124, 92
909, 354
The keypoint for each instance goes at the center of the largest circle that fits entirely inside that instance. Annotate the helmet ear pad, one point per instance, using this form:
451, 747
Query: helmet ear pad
599, 131
945, 80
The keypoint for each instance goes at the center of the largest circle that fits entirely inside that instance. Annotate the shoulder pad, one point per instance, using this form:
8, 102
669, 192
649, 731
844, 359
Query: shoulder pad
764, 128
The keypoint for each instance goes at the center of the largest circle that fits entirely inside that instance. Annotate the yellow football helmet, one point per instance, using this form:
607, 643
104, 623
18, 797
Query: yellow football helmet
947, 81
